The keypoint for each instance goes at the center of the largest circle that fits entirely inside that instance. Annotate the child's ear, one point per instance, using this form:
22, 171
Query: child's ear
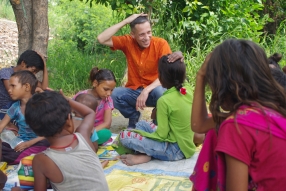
132, 34
23, 65
27, 87
69, 124
94, 83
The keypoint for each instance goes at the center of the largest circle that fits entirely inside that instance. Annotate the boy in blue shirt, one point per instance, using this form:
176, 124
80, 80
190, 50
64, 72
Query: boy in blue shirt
22, 86
29, 60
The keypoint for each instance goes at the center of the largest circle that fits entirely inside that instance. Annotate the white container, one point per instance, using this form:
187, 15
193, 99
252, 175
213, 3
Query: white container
10, 138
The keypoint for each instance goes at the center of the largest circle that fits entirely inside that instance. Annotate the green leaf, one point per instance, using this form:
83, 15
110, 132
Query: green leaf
186, 9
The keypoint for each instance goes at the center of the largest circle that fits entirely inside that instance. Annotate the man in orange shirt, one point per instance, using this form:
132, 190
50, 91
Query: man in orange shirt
142, 53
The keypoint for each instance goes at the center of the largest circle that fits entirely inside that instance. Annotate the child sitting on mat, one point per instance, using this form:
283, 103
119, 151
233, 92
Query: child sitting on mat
103, 82
22, 86
71, 162
172, 139
91, 102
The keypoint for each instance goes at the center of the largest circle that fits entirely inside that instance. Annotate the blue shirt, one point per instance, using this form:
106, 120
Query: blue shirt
5, 74
25, 132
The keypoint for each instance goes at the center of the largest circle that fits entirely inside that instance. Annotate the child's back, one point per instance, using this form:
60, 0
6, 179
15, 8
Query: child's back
80, 168
71, 163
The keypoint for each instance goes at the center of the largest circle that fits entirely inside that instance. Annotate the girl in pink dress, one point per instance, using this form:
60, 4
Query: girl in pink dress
103, 82
244, 151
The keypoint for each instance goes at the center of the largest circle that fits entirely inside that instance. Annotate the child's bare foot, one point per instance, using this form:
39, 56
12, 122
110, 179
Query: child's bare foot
130, 160
104, 163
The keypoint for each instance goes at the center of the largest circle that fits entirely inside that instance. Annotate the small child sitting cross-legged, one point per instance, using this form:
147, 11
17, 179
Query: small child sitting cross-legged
22, 86
71, 162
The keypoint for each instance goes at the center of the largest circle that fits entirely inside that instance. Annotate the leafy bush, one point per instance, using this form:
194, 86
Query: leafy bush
77, 22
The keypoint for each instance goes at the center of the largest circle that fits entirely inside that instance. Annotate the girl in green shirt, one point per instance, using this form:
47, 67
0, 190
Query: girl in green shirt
172, 139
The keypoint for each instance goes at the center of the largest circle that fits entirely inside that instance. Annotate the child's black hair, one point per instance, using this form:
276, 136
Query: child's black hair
46, 113
274, 59
88, 100
101, 75
31, 58
279, 76
26, 77
171, 73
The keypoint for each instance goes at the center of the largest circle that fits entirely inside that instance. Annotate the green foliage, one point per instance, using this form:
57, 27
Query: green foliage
79, 23
6, 10
183, 22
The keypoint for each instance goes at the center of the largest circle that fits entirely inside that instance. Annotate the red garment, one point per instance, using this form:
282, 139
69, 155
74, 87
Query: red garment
142, 63
263, 152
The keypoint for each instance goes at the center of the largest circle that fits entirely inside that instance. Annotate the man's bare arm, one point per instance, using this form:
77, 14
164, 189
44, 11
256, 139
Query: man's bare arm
105, 37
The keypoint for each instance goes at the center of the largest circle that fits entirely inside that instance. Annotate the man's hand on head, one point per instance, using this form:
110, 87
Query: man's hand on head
176, 56
134, 16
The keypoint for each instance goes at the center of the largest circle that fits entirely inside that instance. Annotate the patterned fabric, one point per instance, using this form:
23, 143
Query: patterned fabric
159, 150
25, 132
205, 175
142, 64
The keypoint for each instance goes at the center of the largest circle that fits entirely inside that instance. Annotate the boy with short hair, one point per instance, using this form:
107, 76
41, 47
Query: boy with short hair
71, 162
29, 60
22, 86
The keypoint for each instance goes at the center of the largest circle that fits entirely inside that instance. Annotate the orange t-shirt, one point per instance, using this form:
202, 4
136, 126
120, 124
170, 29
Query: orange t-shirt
142, 64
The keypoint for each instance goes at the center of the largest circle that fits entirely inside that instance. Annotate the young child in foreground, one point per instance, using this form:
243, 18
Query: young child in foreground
71, 162
91, 102
103, 82
22, 86
29, 60
172, 139
251, 126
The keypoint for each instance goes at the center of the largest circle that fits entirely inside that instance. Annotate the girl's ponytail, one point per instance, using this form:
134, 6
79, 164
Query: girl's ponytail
178, 85
101, 75
92, 74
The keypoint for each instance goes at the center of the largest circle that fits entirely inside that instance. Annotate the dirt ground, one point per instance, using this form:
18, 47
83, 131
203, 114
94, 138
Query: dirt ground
119, 122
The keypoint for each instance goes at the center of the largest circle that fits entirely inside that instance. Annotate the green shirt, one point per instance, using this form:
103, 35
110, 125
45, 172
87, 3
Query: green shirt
174, 120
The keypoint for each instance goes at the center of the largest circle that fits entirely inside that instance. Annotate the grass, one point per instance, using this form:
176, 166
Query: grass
69, 69
6, 10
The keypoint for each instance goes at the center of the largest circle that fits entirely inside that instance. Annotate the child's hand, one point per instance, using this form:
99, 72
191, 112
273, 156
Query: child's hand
22, 146
203, 68
42, 56
104, 163
39, 90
